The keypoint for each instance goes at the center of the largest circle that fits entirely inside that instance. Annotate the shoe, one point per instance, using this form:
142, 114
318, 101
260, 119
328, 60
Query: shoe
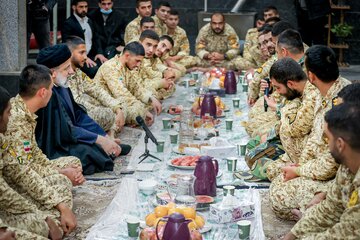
125, 149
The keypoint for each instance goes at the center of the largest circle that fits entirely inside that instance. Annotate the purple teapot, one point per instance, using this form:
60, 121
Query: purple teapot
176, 228
205, 172
230, 82
208, 105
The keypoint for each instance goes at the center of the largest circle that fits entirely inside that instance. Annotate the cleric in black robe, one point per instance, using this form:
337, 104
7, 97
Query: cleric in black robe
64, 128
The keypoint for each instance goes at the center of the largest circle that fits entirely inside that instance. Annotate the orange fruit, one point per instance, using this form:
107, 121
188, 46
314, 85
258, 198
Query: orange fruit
161, 211
179, 210
150, 219
171, 205
171, 211
160, 223
200, 221
189, 212
192, 225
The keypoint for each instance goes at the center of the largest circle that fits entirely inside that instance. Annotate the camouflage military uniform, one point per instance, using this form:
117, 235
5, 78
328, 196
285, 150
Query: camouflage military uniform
27, 170
336, 217
132, 30
99, 104
260, 73
110, 77
317, 166
252, 50
297, 120
16, 211
160, 26
208, 41
182, 48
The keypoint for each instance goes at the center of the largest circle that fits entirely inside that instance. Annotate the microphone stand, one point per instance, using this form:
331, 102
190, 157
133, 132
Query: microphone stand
147, 153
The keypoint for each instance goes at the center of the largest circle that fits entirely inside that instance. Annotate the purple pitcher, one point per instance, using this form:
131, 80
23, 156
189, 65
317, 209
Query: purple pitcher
205, 172
230, 82
176, 228
208, 105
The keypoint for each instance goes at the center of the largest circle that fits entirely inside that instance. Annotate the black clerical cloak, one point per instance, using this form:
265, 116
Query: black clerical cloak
57, 134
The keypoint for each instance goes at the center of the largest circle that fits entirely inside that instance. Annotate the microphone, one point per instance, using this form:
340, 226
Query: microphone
148, 133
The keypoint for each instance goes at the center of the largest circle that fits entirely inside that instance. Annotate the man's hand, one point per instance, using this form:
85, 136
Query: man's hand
251, 101
149, 119
174, 58
6, 234
263, 85
54, 230
290, 172
289, 236
109, 146
270, 102
263, 138
217, 56
67, 218
119, 119
76, 177
316, 199
90, 63
207, 56
119, 48
156, 105
101, 57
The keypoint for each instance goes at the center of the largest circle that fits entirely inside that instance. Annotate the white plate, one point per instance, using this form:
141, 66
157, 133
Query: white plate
181, 167
205, 228
176, 150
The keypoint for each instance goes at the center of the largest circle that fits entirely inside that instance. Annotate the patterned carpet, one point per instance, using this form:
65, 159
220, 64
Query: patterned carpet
92, 198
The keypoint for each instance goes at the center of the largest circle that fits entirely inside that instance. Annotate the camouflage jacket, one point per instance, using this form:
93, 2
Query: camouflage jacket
337, 216
160, 26
132, 30
208, 41
181, 43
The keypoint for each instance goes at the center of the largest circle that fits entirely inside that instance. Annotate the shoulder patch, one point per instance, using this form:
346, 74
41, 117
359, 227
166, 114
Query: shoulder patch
4, 146
12, 152
27, 146
291, 117
20, 160
335, 101
353, 199
259, 70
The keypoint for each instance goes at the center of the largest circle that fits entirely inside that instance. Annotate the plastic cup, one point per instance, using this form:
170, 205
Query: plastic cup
231, 164
229, 124
133, 225
166, 123
244, 229
160, 146
229, 190
174, 138
245, 87
195, 75
236, 102
243, 149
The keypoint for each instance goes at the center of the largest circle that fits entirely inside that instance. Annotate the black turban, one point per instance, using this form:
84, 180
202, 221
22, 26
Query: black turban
54, 56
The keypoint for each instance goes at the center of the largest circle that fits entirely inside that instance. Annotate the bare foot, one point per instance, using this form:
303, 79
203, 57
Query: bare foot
54, 230
297, 214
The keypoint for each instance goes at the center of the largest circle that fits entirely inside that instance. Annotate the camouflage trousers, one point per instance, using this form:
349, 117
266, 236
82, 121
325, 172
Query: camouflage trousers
26, 226
260, 122
188, 61
163, 93
274, 169
64, 162
204, 63
104, 116
240, 63
293, 194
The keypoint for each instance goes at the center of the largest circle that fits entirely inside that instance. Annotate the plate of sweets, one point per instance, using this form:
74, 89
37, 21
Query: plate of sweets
186, 163
175, 109
190, 149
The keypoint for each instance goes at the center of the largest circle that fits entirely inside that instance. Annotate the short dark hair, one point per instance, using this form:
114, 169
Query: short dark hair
174, 12
350, 93
135, 48
103, 0
271, 8
32, 78
321, 60
146, 20
163, 4
291, 40
167, 37
286, 69
279, 27
4, 100
74, 41
218, 13
266, 28
149, 34
140, 1
75, 2
343, 121
272, 19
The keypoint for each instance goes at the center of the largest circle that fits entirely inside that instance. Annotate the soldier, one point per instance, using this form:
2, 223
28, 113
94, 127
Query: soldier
217, 43
143, 9
297, 185
338, 215
100, 106
180, 53
18, 214
161, 14
270, 11
26, 168
111, 77
147, 23
150, 77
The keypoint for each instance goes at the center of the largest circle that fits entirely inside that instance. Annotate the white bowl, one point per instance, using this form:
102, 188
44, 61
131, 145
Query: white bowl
147, 186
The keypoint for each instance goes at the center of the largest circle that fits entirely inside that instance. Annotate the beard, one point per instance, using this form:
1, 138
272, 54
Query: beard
336, 155
62, 81
81, 14
291, 94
